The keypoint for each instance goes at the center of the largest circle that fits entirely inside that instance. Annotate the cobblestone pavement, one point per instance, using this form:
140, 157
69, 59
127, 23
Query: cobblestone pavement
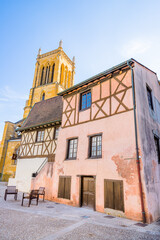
49, 221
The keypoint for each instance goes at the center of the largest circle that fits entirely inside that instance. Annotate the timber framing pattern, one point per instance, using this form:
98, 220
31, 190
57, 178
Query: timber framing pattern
30, 148
112, 91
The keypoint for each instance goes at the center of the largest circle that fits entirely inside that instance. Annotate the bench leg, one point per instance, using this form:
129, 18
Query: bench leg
5, 196
37, 199
43, 198
29, 202
15, 196
22, 199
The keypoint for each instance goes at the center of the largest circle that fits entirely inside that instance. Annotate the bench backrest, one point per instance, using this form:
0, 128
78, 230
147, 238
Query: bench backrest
34, 193
11, 189
41, 190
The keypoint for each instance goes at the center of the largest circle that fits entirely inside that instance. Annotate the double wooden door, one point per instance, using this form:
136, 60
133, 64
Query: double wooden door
113, 194
88, 192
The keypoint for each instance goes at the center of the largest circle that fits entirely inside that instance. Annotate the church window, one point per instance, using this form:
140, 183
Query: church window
62, 74
43, 96
47, 81
52, 72
42, 76
69, 79
46, 77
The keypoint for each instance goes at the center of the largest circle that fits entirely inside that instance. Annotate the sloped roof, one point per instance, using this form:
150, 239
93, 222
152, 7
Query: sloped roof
108, 71
44, 112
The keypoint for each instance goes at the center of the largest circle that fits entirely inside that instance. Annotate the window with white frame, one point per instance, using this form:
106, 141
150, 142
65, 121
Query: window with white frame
95, 148
40, 136
72, 148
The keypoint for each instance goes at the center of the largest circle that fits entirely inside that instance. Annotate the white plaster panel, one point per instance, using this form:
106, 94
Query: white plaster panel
25, 168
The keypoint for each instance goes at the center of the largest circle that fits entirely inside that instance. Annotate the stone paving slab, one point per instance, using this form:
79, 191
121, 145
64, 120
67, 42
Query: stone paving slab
94, 232
49, 221
15, 225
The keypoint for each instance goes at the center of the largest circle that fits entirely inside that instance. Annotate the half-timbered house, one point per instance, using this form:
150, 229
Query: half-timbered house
107, 155
38, 143
110, 136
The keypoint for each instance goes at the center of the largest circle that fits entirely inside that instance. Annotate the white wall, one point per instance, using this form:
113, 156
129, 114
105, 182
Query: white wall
24, 170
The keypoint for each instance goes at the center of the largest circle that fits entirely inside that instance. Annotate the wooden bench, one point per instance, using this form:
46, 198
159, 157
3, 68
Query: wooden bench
11, 190
41, 191
30, 196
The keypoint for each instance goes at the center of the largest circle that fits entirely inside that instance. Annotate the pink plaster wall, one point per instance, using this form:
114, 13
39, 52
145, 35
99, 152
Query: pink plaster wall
118, 160
44, 179
148, 122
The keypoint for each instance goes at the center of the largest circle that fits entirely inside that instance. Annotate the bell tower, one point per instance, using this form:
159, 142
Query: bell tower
54, 72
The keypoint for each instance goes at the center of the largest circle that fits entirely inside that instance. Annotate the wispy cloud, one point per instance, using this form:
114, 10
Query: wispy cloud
135, 47
7, 94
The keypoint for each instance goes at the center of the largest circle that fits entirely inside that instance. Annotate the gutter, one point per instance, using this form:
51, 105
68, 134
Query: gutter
136, 142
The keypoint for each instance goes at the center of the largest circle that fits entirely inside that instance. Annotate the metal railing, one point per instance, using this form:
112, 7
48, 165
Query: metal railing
40, 167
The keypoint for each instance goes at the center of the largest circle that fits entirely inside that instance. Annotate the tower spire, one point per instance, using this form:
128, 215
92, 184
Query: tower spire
60, 43
39, 51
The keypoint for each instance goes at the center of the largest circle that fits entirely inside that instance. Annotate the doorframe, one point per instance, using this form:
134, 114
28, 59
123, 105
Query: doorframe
80, 189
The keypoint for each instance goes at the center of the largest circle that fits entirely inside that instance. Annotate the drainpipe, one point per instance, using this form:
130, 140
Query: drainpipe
136, 141
4, 161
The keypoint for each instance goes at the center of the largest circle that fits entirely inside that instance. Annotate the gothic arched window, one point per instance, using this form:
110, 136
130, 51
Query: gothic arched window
62, 74
48, 74
52, 73
43, 96
42, 76
69, 79
46, 77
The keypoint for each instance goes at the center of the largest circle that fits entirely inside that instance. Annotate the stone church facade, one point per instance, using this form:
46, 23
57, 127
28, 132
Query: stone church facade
54, 72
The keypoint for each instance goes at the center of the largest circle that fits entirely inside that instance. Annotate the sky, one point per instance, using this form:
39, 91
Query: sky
99, 33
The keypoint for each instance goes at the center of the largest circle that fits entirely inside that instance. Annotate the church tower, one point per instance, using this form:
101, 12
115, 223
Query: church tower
54, 72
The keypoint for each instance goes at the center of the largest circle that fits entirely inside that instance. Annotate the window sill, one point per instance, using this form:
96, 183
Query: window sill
96, 157
81, 110
70, 159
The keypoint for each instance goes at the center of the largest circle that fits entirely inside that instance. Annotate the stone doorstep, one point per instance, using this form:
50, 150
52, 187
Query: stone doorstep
114, 213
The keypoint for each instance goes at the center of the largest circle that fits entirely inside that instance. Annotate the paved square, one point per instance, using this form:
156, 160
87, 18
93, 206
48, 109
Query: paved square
49, 221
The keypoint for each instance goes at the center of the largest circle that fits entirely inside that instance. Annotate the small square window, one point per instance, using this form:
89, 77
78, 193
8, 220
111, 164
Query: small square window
40, 136
72, 148
95, 148
149, 95
85, 100
156, 140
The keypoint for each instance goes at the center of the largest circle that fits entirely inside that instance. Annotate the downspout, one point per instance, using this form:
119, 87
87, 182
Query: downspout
136, 141
4, 161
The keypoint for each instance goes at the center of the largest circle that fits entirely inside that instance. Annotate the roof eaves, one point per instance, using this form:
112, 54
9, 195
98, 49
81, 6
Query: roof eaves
96, 76
37, 125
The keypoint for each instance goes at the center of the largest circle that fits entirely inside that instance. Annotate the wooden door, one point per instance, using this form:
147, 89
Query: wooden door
88, 192
113, 194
